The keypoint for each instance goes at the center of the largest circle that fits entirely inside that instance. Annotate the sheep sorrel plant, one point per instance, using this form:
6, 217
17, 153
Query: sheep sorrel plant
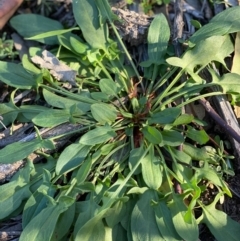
138, 166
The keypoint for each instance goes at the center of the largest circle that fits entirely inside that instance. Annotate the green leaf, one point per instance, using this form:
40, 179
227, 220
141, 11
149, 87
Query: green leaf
135, 155
215, 48
152, 134
20, 150
158, 37
15, 75
229, 83
200, 137
188, 231
43, 225
38, 25
52, 117
71, 157
98, 135
151, 171
64, 103
38, 200
15, 192
195, 153
164, 222
79, 46
104, 113
172, 138
89, 22
183, 120
166, 116
108, 87
143, 223
223, 23
83, 171
220, 224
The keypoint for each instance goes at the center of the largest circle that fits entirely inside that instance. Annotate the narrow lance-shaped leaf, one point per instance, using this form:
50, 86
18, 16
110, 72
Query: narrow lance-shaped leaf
71, 157
158, 37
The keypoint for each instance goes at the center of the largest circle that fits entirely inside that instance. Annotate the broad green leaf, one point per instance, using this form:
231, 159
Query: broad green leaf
71, 157
98, 135
89, 22
220, 224
200, 137
151, 171
119, 233
9, 113
223, 23
143, 222
152, 134
100, 96
172, 138
195, 153
158, 37
63, 102
38, 200
104, 113
108, 87
15, 192
183, 120
166, 116
38, 25
164, 222
215, 48
208, 173
188, 231
118, 211
20, 150
229, 83
52, 117
15, 75
64, 223
43, 225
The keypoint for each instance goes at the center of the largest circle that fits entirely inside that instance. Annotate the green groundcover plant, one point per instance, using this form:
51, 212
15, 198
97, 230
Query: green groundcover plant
139, 165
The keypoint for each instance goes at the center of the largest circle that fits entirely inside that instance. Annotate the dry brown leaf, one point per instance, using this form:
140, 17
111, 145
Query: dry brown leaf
59, 70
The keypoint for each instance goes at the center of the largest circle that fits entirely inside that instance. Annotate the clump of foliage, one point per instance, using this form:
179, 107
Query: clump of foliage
135, 148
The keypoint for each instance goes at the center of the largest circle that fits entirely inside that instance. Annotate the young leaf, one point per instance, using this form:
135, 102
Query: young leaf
98, 135
152, 134
38, 24
43, 225
200, 137
151, 171
143, 223
71, 157
89, 22
158, 37
104, 113
166, 116
220, 224
188, 231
